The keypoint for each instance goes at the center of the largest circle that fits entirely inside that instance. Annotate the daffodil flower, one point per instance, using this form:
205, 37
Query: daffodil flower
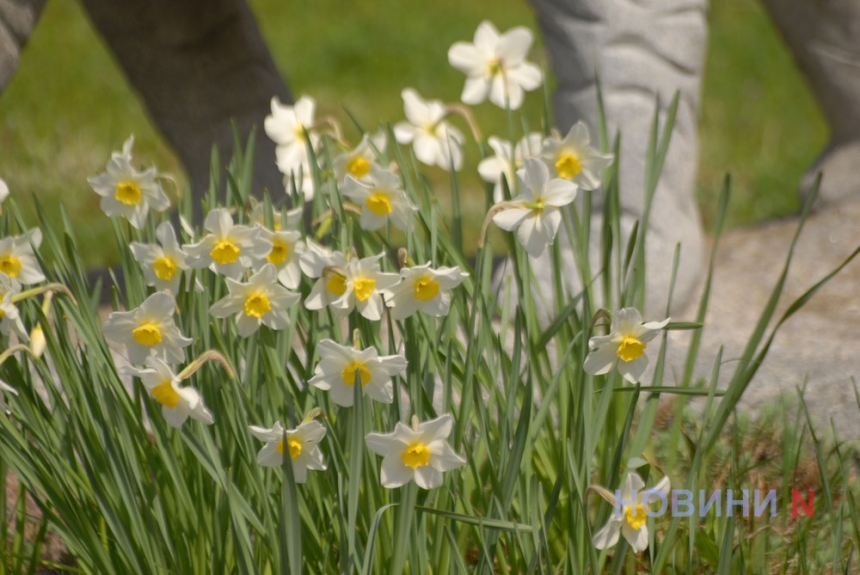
534, 213
10, 320
300, 444
17, 260
629, 517
506, 161
291, 128
381, 198
228, 249
328, 267
260, 301
361, 161
286, 251
339, 366
126, 192
364, 284
162, 264
624, 347
148, 330
495, 66
423, 289
574, 159
435, 141
419, 453
177, 403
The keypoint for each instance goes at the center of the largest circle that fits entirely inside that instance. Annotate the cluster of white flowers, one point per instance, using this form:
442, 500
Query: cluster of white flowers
19, 268
261, 263
263, 260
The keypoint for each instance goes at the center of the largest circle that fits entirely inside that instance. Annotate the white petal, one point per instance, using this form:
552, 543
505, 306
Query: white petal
394, 473
608, 535
526, 75
509, 219
428, 477
467, 58
632, 370
514, 44
638, 539
475, 90
415, 108
601, 360
532, 237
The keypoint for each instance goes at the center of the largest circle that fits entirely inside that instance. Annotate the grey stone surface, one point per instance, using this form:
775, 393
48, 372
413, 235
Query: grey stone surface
643, 52
818, 345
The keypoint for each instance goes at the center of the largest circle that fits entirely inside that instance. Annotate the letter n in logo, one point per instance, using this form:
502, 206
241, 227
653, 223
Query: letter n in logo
808, 506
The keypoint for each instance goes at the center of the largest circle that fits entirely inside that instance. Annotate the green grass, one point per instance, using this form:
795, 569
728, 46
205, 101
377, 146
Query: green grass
69, 105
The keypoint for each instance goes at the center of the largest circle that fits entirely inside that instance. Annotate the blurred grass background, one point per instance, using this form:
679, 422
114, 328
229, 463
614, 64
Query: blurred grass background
69, 106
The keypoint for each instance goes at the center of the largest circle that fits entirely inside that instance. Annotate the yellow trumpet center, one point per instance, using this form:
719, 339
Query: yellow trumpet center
10, 265
128, 193
336, 284
495, 67
225, 252
350, 370
630, 348
568, 165
164, 268
416, 455
257, 305
379, 203
294, 445
280, 252
148, 334
635, 516
426, 288
358, 167
363, 288
165, 394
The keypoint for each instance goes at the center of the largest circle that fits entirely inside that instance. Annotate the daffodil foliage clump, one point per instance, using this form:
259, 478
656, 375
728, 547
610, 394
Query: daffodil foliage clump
336, 387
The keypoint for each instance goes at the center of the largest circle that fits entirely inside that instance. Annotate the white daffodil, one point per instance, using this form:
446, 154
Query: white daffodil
10, 320
291, 128
574, 159
148, 330
4, 191
495, 66
361, 161
177, 403
339, 365
534, 213
17, 260
423, 289
301, 443
162, 264
228, 249
261, 301
364, 284
381, 198
286, 251
506, 161
293, 217
435, 141
624, 347
420, 453
329, 268
629, 517
126, 192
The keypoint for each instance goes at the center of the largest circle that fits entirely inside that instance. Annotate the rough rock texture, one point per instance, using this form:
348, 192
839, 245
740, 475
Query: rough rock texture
818, 345
643, 53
